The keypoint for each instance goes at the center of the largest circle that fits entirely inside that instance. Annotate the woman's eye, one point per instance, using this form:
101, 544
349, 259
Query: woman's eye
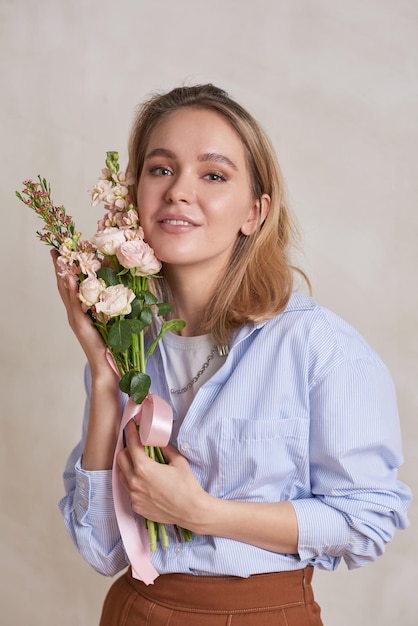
216, 177
159, 170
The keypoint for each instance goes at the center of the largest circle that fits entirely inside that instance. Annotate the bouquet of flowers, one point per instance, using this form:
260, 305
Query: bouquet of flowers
113, 269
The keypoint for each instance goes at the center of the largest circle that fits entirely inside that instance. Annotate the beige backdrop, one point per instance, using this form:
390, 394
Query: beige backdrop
335, 84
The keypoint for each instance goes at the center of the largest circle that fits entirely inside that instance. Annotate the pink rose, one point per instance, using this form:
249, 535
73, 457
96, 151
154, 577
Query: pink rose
90, 290
107, 241
137, 254
115, 300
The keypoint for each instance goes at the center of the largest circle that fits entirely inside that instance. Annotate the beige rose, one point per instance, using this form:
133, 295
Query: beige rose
115, 300
137, 254
107, 241
90, 290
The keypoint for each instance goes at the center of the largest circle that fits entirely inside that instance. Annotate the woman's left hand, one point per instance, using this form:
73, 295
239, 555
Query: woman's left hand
166, 493
170, 494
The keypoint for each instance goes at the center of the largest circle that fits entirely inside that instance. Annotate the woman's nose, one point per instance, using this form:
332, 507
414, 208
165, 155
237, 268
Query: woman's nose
181, 189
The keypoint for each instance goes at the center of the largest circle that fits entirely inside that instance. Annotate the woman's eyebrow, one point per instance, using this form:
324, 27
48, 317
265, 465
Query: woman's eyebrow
218, 158
207, 156
160, 152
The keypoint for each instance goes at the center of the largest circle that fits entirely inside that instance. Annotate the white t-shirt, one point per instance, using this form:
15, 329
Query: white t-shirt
185, 358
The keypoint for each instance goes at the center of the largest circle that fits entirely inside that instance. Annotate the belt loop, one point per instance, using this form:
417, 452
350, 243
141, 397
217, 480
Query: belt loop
306, 585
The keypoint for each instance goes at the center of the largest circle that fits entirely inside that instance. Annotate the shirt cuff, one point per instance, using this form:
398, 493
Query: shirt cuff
93, 493
322, 529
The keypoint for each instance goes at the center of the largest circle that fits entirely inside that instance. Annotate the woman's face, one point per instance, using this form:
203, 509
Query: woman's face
194, 192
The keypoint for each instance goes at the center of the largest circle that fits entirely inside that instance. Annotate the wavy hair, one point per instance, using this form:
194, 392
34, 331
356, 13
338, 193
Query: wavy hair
258, 281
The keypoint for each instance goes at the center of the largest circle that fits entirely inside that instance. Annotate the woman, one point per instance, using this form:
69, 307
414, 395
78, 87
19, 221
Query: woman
285, 445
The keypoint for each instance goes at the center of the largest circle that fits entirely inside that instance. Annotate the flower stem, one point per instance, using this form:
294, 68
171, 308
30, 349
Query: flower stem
187, 535
142, 361
163, 535
152, 534
136, 352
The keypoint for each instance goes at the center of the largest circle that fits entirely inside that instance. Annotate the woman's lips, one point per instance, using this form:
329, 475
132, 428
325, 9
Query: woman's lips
177, 222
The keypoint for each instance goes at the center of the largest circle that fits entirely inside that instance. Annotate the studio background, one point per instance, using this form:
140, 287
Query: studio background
335, 85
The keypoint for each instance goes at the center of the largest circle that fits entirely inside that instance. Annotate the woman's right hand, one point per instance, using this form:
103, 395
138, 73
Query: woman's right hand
105, 408
80, 322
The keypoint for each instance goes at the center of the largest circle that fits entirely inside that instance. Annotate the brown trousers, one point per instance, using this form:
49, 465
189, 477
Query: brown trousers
282, 599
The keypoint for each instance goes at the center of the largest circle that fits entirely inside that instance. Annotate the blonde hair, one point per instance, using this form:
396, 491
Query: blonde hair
258, 282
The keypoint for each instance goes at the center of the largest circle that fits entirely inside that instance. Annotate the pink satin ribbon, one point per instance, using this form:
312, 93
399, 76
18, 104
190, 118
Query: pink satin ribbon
155, 418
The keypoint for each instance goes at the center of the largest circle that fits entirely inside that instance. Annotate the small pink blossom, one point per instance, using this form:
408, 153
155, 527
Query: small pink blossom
100, 191
124, 178
67, 246
108, 240
67, 249
134, 234
115, 300
138, 254
126, 218
90, 290
84, 245
107, 221
106, 174
66, 266
118, 197
88, 262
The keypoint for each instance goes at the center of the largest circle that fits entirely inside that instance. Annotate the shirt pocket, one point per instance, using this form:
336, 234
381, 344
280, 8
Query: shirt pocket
263, 460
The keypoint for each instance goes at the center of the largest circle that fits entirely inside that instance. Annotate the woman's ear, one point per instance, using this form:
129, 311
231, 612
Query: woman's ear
257, 215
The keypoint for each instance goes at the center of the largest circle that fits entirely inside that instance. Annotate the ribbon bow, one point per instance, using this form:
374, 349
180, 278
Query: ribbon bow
155, 418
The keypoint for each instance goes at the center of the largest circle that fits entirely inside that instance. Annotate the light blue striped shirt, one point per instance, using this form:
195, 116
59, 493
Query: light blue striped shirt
302, 410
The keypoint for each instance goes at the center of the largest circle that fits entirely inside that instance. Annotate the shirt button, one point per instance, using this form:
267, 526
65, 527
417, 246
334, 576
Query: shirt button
185, 447
178, 550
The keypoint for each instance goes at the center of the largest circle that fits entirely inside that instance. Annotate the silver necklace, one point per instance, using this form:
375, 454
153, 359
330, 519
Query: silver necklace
222, 351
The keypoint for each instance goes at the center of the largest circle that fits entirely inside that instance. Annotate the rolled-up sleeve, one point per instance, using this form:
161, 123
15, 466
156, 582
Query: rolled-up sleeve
88, 509
90, 519
355, 451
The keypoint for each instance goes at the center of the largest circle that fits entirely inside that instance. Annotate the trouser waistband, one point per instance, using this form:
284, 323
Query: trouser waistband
228, 593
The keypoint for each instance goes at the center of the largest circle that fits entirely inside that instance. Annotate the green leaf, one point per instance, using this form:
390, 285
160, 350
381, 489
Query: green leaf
136, 326
123, 271
125, 381
146, 316
120, 336
172, 325
140, 385
108, 275
125, 279
136, 308
136, 385
175, 324
164, 308
148, 297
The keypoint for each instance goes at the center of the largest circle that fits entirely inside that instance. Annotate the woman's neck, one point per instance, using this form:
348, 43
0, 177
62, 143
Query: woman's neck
191, 292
